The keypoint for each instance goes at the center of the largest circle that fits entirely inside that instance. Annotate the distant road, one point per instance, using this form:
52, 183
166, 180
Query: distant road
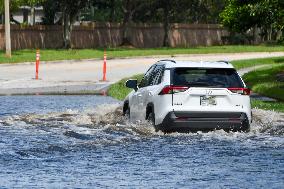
84, 76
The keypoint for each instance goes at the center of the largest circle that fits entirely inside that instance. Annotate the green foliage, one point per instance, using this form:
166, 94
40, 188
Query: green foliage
50, 7
30, 2
15, 4
237, 17
180, 11
149, 11
240, 16
102, 11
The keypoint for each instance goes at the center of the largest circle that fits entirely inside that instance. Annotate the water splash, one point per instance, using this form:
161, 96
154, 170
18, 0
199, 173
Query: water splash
108, 119
269, 122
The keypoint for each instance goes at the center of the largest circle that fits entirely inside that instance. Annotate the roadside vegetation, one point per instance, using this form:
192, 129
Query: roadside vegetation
78, 54
265, 81
239, 64
119, 91
268, 105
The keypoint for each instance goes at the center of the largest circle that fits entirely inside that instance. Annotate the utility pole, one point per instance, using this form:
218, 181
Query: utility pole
7, 29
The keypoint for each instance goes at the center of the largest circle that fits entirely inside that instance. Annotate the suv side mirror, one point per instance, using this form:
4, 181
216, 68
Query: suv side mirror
132, 83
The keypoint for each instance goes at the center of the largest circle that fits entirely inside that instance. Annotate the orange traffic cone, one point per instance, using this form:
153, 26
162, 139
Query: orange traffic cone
37, 63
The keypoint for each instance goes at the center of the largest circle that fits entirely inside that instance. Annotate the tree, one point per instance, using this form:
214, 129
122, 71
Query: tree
16, 4
129, 7
104, 11
179, 11
157, 11
267, 15
50, 8
166, 12
70, 10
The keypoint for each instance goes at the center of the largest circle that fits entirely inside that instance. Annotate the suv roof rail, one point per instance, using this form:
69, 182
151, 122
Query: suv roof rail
225, 61
170, 60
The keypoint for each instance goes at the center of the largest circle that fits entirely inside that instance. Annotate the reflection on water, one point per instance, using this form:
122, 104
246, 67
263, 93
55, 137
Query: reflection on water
85, 142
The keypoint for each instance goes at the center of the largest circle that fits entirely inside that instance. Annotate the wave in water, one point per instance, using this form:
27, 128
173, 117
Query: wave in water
108, 119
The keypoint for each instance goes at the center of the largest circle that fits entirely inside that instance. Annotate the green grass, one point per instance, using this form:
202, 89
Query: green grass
77, 54
264, 81
239, 64
119, 91
275, 106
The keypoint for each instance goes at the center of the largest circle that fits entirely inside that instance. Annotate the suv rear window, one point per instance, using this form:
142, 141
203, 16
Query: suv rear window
207, 77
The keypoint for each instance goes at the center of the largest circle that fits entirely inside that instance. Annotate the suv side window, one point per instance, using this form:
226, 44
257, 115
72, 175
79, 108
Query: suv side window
157, 75
147, 77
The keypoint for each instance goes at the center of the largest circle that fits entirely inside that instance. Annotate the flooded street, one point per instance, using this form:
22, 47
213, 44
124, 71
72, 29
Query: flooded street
84, 142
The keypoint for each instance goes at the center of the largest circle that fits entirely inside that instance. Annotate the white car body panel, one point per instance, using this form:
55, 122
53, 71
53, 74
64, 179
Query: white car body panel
187, 101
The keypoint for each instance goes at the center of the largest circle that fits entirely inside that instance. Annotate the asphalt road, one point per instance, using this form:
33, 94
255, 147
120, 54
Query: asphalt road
83, 76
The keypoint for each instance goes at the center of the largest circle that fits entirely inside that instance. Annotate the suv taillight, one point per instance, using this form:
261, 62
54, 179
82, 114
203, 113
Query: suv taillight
171, 89
242, 91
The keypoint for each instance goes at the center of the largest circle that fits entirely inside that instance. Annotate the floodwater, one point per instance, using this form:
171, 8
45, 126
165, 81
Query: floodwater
84, 142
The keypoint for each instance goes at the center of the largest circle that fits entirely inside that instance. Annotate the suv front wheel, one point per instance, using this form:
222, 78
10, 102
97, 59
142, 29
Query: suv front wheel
151, 120
126, 110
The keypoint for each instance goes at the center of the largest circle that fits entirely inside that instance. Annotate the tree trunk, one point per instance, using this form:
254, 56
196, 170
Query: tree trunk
32, 15
166, 26
25, 16
67, 28
92, 13
112, 12
125, 23
2, 19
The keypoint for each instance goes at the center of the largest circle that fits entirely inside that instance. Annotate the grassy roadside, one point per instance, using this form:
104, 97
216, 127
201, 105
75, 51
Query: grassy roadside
265, 105
239, 64
119, 91
255, 78
77, 54
267, 81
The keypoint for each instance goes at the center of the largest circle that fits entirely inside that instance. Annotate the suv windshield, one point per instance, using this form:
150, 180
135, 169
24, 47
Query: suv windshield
207, 77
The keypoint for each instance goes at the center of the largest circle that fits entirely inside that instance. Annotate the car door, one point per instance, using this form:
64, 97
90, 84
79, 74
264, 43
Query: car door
137, 104
151, 90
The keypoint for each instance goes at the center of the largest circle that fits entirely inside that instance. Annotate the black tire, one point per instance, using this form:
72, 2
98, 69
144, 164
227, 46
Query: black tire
127, 113
151, 119
246, 128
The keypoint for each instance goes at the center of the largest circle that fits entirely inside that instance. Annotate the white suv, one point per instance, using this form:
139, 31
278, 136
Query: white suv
190, 96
